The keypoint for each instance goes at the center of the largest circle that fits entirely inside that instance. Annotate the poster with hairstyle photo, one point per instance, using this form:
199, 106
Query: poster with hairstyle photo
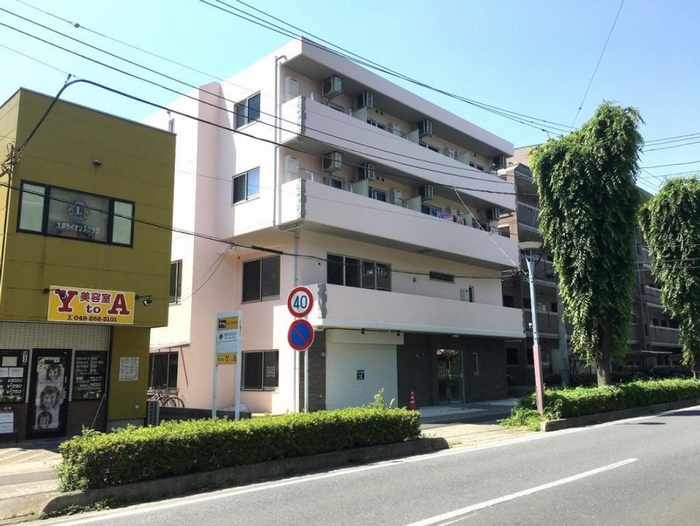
50, 374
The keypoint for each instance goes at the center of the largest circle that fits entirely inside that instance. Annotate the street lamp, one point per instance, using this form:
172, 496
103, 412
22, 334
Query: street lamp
529, 248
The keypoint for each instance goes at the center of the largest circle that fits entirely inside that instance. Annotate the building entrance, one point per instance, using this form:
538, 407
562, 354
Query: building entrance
450, 370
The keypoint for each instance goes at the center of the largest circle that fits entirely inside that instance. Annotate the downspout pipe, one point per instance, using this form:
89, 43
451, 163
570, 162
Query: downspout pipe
277, 128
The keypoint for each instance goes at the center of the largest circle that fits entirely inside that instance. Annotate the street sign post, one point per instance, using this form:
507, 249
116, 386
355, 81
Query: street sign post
300, 335
300, 302
227, 350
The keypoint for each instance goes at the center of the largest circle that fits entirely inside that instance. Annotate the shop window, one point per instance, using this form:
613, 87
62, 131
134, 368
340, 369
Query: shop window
247, 111
261, 279
59, 212
260, 370
175, 281
246, 185
162, 370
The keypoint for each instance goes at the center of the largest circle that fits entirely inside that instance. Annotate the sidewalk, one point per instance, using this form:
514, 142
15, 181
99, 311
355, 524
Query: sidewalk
28, 477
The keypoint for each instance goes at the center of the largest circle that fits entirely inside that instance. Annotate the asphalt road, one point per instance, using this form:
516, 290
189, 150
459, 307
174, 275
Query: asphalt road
635, 472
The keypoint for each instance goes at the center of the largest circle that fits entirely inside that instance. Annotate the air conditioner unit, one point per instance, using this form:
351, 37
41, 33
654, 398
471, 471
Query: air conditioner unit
464, 157
394, 127
453, 211
426, 192
291, 87
500, 161
366, 171
425, 128
450, 153
291, 165
364, 100
332, 161
493, 214
332, 87
396, 196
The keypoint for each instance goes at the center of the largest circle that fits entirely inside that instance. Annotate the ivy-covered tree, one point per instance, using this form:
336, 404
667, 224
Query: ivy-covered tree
671, 226
589, 211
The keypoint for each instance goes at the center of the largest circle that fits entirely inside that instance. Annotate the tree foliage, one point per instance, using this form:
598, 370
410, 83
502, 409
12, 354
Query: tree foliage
589, 207
671, 226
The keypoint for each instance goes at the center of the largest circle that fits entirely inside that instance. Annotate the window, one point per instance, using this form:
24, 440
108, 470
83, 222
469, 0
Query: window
54, 211
476, 364
554, 307
351, 272
509, 301
260, 370
246, 185
429, 146
335, 182
530, 357
431, 210
247, 111
512, 356
162, 369
376, 124
261, 279
441, 276
175, 281
379, 195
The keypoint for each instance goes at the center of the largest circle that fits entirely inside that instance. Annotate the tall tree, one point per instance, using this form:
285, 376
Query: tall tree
671, 226
589, 209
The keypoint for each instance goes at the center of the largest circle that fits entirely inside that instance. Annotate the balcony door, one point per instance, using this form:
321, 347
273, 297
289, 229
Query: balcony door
450, 371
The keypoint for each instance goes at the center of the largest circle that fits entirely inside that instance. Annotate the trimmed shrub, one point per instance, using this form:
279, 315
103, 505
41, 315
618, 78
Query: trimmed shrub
582, 401
96, 460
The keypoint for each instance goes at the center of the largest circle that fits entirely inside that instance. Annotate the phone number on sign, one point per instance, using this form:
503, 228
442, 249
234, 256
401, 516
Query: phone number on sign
72, 317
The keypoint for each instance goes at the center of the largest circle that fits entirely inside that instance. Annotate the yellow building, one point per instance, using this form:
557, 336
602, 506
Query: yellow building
85, 218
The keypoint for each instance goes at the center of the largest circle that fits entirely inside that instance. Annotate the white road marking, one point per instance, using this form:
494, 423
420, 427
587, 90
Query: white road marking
524, 493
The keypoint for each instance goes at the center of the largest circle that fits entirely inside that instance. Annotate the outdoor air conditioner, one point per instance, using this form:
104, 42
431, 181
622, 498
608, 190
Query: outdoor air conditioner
364, 100
425, 128
291, 165
453, 211
450, 153
332, 161
291, 88
464, 157
493, 214
366, 171
500, 161
426, 192
332, 87
394, 127
396, 196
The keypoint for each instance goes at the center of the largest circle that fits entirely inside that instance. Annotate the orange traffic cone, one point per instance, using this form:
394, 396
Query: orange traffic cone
412, 402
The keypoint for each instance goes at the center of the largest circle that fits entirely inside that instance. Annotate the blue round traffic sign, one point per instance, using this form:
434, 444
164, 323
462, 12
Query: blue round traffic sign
300, 335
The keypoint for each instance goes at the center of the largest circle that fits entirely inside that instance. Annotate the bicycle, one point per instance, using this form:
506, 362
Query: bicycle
165, 396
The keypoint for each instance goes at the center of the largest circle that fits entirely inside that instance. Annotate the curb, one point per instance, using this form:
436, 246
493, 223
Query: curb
227, 477
610, 416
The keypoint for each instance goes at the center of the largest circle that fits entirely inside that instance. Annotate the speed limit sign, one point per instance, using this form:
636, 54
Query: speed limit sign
300, 302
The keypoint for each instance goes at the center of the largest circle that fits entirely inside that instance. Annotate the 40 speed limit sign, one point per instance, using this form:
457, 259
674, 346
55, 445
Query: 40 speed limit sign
300, 302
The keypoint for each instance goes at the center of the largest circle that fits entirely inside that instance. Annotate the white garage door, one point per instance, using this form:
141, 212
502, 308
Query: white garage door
355, 372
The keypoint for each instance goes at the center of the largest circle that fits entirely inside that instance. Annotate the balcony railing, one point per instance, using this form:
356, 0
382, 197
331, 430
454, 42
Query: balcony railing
666, 335
547, 322
528, 216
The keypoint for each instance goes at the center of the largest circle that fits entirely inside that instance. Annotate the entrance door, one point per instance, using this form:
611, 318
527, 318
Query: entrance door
48, 402
450, 376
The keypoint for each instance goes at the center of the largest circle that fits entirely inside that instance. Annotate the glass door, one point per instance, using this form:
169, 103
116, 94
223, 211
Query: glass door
450, 376
48, 403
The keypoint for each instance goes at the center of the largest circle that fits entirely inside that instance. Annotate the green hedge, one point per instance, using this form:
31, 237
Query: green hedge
95, 460
566, 403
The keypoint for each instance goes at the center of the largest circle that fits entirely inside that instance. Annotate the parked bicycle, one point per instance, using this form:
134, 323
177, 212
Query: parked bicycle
165, 396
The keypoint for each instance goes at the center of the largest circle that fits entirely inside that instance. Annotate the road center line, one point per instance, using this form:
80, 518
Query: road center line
524, 493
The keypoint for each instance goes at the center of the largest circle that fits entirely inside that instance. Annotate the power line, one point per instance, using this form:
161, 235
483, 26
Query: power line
670, 147
600, 58
527, 121
481, 179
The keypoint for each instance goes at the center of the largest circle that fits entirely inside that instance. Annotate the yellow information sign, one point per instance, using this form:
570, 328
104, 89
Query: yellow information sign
226, 359
93, 306
228, 323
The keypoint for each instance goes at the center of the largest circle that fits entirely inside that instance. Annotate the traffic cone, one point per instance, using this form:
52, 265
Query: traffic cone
412, 402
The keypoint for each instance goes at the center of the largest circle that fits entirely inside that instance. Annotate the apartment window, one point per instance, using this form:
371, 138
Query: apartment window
379, 195
175, 281
54, 211
431, 210
162, 369
429, 146
376, 124
476, 364
512, 356
260, 370
261, 279
441, 276
554, 307
246, 185
352, 272
335, 182
247, 111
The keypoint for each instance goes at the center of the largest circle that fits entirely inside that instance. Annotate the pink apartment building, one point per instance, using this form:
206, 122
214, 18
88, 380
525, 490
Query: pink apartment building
383, 204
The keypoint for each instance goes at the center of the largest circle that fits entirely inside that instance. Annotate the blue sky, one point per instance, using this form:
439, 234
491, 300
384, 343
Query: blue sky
533, 57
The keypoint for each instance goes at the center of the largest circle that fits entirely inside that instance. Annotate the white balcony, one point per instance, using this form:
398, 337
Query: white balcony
304, 119
355, 308
321, 208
